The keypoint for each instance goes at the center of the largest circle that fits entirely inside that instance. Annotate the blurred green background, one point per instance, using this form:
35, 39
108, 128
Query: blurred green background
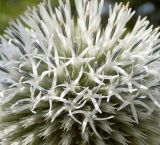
11, 9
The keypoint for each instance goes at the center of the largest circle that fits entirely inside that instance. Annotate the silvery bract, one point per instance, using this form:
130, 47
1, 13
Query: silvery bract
66, 80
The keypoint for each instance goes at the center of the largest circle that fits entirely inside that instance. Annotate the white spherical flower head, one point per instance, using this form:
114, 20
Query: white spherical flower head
66, 80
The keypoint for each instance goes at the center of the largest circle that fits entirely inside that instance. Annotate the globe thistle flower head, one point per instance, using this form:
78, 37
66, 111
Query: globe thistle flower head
66, 80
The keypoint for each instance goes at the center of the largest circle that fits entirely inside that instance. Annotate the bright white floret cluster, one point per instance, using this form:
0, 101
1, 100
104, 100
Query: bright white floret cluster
61, 66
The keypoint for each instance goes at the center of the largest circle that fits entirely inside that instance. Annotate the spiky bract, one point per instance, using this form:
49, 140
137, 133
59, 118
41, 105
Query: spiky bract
66, 80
